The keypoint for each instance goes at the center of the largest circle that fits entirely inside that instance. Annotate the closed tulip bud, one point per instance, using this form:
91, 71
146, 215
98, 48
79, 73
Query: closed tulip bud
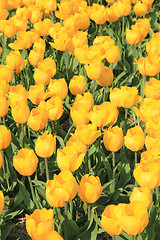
152, 88
5, 137
41, 77
148, 174
140, 9
133, 217
21, 113
106, 77
133, 36
69, 159
54, 108
110, 222
3, 106
39, 223
35, 57
51, 235
77, 85
134, 139
48, 65
1, 201
141, 194
94, 70
87, 134
17, 95
61, 189
45, 145
150, 155
122, 8
58, 87
38, 119
25, 162
1, 160
79, 114
90, 188
110, 15
152, 142
113, 139
6, 73
113, 54
14, 59
8, 28
86, 100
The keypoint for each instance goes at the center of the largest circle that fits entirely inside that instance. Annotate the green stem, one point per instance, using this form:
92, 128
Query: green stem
132, 237
86, 163
47, 170
22, 128
113, 159
113, 237
93, 89
133, 55
135, 158
126, 112
104, 94
66, 221
66, 59
123, 23
32, 192
89, 212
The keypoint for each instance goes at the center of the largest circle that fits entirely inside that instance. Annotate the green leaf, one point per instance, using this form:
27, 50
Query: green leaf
6, 230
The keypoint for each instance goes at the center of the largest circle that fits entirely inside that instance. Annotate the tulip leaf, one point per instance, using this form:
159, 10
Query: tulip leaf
5, 230
90, 233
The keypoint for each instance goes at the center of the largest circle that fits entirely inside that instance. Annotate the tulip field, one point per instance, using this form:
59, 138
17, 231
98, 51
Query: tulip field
79, 119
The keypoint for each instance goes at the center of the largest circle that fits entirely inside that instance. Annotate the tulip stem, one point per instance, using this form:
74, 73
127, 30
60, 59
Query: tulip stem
89, 212
66, 58
94, 84
132, 237
47, 170
22, 128
135, 158
59, 214
113, 159
123, 22
104, 94
112, 67
32, 191
113, 237
86, 163
133, 55
126, 112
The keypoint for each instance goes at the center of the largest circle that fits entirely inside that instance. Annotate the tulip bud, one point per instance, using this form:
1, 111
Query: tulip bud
45, 145
1, 160
25, 162
113, 139
141, 194
1, 201
134, 139
5, 137
90, 188
61, 189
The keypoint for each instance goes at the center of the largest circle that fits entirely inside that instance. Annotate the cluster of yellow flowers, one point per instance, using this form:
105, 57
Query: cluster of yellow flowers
47, 97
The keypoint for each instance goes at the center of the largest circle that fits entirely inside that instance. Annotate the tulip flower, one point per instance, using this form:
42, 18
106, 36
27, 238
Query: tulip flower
77, 85
87, 134
3, 106
140, 9
25, 162
36, 94
149, 109
90, 188
113, 139
68, 158
122, 8
148, 174
39, 223
152, 89
5, 137
21, 113
78, 40
97, 13
61, 40
110, 222
1, 201
17, 95
79, 114
125, 97
43, 26
45, 145
6, 73
54, 107
58, 87
1, 160
14, 59
133, 217
80, 147
134, 139
38, 119
141, 194
61, 189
